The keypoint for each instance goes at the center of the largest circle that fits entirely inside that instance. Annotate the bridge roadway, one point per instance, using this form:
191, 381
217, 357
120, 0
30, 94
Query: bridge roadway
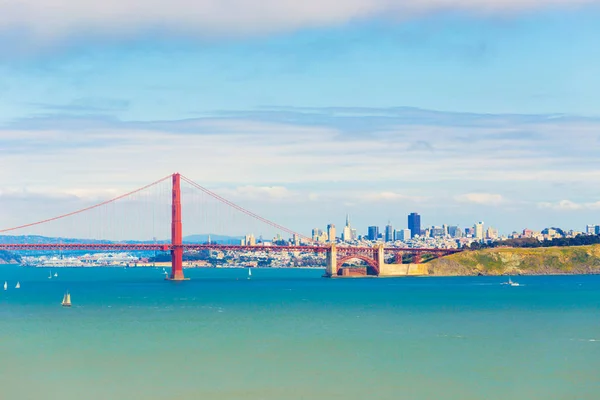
222, 247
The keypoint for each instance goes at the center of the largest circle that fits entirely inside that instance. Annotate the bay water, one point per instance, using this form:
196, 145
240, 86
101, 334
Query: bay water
290, 334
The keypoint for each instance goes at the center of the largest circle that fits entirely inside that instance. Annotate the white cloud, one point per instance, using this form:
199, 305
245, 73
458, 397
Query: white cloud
291, 171
390, 196
480, 198
51, 19
568, 205
250, 192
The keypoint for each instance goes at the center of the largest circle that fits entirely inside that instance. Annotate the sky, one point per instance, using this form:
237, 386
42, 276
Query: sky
461, 110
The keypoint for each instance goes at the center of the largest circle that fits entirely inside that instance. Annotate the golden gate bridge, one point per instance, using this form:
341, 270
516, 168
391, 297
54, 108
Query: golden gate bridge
336, 255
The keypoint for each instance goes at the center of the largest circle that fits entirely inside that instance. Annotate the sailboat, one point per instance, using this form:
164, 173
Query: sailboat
50, 276
18, 286
66, 300
56, 274
511, 283
249, 273
5, 285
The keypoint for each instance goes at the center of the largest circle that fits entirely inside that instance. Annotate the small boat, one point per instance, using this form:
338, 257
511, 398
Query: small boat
66, 300
249, 273
5, 285
18, 286
50, 276
510, 283
56, 274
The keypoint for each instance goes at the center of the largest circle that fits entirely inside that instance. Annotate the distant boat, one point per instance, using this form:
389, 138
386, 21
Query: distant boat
18, 286
510, 283
249, 273
56, 274
66, 302
50, 276
5, 285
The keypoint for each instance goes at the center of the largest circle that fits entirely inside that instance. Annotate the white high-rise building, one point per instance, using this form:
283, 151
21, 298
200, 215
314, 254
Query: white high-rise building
331, 233
347, 231
479, 232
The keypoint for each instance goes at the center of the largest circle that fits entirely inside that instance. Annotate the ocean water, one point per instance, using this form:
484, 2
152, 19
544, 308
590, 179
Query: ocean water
290, 334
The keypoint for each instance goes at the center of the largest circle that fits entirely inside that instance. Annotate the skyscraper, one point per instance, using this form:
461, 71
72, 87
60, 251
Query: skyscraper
479, 231
331, 233
373, 233
414, 224
389, 233
347, 231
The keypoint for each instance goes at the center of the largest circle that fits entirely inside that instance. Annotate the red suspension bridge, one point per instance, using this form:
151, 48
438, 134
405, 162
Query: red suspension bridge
213, 209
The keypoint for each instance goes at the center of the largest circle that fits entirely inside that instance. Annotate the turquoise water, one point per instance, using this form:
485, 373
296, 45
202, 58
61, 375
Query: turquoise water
289, 334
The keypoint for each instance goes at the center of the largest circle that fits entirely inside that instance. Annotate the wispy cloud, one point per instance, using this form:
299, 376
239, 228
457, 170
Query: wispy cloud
317, 162
481, 198
51, 19
568, 205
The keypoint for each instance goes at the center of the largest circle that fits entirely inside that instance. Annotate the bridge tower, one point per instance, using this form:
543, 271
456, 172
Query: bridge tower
332, 268
176, 232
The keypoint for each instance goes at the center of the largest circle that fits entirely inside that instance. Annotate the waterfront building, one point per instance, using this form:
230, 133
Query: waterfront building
250, 240
414, 224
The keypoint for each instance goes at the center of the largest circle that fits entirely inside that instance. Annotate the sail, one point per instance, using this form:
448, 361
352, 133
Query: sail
66, 300
18, 285
5, 285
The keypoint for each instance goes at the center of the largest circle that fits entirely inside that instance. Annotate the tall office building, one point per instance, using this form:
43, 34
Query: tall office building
373, 233
331, 233
479, 230
389, 233
347, 231
454, 231
403, 235
414, 224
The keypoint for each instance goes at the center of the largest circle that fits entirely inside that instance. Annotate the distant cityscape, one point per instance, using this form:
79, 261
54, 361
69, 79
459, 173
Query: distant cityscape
444, 236
413, 236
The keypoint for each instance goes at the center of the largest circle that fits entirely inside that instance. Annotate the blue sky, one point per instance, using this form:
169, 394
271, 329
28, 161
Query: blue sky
464, 111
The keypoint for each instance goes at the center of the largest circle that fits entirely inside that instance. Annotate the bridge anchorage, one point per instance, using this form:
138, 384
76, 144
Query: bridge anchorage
336, 256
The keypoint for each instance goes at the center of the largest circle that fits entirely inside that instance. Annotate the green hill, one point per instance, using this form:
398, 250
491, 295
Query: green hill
520, 261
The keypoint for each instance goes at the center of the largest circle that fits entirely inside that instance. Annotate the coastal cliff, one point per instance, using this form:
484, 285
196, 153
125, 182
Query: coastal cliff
520, 261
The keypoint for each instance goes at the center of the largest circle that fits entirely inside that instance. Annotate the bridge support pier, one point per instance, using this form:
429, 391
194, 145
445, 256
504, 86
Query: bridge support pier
176, 232
380, 257
332, 268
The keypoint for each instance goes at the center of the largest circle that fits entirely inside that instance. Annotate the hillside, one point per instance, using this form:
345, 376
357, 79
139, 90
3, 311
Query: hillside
9, 258
520, 261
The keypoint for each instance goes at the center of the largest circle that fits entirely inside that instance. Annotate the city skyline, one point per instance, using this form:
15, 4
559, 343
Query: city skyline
480, 111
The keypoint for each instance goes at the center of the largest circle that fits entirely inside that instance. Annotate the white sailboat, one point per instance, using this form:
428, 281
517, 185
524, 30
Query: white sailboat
5, 285
510, 283
249, 273
50, 276
18, 286
56, 274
